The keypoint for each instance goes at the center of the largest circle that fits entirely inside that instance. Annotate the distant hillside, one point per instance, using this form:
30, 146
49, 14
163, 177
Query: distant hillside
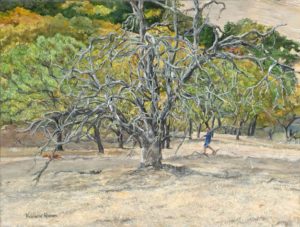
268, 12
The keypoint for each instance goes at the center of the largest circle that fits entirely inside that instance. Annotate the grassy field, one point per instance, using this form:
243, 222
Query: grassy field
251, 182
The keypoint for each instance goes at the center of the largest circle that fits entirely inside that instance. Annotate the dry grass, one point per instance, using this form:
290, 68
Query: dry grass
249, 183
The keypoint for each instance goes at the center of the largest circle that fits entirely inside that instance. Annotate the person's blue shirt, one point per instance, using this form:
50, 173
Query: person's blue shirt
208, 138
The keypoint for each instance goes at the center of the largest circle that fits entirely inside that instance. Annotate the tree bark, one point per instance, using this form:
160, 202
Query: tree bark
190, 128
238, 134
206, 124
199, 130
120, 140
252, 126
270, 133
163, 134
151, 154
286, 129
119, 135
286, 126
59, 135
167, 134
212, 126
97, 138
291, 133
249, 129
59, 147
238, 131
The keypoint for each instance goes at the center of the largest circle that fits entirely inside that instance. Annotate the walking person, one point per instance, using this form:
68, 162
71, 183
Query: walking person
208, 137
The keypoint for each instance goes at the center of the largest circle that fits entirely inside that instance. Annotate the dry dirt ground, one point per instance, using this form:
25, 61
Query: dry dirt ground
251, 182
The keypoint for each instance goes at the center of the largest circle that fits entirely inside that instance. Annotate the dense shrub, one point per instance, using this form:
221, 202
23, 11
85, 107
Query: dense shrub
43, 7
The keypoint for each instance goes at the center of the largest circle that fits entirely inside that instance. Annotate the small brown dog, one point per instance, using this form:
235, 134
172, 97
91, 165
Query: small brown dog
51, 156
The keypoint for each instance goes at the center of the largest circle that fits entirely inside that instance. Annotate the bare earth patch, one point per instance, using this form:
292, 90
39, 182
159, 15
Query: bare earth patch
249, 183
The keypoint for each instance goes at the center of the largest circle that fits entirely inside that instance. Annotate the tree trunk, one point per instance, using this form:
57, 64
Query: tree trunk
199, 130
270, 133
119, 135
252, 126
168, 140
238, 134
163, 134
238, 131
151, 154
59, 147
249, 129
97, 138
190, 128
206, 124
120, 140
212, 126
286, 129
291, 133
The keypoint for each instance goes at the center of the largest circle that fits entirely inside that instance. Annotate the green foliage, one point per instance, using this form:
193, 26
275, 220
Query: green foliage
116, 11
82, 24
207, 37
43, 7
282, 48
70, 11
121, 10
21, 26
242, 26
278, 46
30, 77
277, 103
153, 12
